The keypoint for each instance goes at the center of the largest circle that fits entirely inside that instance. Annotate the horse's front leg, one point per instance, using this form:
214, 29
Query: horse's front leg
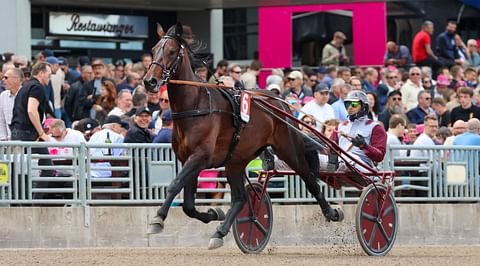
189, 172
236, 181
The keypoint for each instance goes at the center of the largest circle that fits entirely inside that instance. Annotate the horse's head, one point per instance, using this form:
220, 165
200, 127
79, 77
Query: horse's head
168, 54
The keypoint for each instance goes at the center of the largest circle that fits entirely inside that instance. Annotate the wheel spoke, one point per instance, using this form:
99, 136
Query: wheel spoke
372, 234
260, 227
388, 210
369, 217
384, 233
244, 220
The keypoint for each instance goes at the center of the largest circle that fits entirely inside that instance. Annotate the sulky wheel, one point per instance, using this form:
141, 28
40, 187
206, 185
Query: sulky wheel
253, 225
376, 233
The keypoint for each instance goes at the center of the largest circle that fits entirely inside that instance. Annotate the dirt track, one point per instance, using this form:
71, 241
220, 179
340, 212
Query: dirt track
317, 255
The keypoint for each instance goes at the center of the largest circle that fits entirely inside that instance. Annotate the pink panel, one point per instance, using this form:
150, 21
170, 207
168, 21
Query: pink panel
275, 33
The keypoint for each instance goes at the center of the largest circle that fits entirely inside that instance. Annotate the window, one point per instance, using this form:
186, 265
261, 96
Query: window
240, 33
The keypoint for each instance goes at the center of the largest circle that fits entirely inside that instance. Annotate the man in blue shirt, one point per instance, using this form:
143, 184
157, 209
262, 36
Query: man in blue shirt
446, 45
416, 115
471, 137
397, 55
165, 134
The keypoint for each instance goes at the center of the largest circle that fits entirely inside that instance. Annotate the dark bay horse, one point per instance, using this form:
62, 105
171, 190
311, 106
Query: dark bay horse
203, 134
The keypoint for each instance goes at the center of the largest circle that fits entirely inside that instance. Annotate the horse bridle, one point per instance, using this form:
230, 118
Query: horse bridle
167, 72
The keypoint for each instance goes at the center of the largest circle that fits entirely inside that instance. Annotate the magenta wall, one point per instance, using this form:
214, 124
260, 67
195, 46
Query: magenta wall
275, 33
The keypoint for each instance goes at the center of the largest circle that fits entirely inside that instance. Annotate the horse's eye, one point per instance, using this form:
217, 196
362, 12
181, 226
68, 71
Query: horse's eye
172, 52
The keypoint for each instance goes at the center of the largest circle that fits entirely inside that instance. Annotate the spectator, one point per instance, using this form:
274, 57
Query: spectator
202, 73
153, 100
411, 134
59, 133
459, 127
321, 73
417, 114
165, 134
73, 101
112, 129
344, 73
295, 79
275, 88
221, 70
91, 89
119, 71
426, 138
310, 79
130, 83
440, 107
394, 106
442, 134
235, 71
12, 80
471, 78
319, 108
462, 51
473, 51
339, 106
334, 53
123, 103
164, 106
396, 129
87, 127
146, 61
466, 110
471, 137
356, 83
445, 49
71, 75
294, 104
106, 101
422, 53
249, 78
384, 89
337, 85
457, 78
397, 55
373, 105
411, 88
330, 76
29, 110
441, 90
139, 100
139, 133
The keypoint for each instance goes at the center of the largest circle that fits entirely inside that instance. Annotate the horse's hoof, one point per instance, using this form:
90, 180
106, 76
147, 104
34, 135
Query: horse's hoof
215, 243
156, 225
334, 215
218, 212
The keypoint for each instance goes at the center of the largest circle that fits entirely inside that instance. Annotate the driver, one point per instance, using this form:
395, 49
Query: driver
359, 136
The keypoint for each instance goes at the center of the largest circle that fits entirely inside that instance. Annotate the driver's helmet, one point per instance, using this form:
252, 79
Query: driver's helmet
357, 96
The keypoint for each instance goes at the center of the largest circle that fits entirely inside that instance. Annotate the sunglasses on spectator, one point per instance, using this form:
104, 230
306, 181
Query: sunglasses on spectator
290, 79
237, 72
414, 74
164, 100
352, 104
391, 77
309, 123
396, 99
426, 81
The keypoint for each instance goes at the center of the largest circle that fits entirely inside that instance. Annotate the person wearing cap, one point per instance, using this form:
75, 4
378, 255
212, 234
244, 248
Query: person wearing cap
359, 136
165, 134
295, 82
394, 106
334, 53
88, 127
275, 88
321, 73
319, 108
111, 128
441, 89
58, 88
91, 89
71, 75
139, 132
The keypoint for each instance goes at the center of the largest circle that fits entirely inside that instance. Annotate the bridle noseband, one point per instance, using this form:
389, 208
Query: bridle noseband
167, 72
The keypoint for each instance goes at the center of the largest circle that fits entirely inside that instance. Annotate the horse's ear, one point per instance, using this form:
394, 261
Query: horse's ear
160, 31
179, 29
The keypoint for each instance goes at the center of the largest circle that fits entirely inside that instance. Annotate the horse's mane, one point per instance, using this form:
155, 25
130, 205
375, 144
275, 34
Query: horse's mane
194, 45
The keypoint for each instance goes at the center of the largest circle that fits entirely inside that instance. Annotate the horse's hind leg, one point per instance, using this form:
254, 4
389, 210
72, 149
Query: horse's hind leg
236, 180
189, 205
190, 171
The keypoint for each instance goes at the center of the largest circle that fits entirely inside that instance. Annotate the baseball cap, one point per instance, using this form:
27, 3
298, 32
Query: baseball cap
167, 116
88, 125
295, 75
83, 60
321, 87
52, 60
322, 70
143, 110
393, 93
112, 119
47, 53
274, 86
62, 61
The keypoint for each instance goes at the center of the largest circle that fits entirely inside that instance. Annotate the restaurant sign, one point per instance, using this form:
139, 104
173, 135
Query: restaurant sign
78, 24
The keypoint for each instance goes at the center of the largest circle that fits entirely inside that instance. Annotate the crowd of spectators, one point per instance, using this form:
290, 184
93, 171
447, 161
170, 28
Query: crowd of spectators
412, 88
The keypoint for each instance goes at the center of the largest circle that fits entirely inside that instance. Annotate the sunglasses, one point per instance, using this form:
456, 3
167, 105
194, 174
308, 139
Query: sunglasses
237, 72
391, 77
290, 79
7, 77
164, 100
415, 74
309, 123
352, 104
428, 98
397, 99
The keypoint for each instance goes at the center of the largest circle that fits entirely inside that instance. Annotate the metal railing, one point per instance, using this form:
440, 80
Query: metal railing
142, 173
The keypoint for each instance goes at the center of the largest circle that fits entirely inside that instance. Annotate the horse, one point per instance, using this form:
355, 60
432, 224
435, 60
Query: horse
204, 136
